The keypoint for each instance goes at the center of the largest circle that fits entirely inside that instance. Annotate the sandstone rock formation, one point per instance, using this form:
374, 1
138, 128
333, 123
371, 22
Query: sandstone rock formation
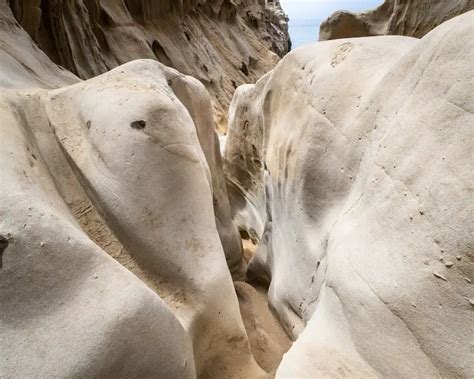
126, 166
221, 43
351, 162
413, 18
25, 66
67, 308
22, 63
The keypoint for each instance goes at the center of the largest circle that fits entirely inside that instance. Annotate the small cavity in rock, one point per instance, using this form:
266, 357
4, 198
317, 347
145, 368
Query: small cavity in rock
244, 69
139, 125
3, 246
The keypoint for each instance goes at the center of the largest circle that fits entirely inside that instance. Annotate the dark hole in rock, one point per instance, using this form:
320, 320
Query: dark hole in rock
249, 235
160, 53
139, 125
244, 69
253, 21
244, 234
105, 19
234, 84
188, 36
3, 245
34, 157
88, 124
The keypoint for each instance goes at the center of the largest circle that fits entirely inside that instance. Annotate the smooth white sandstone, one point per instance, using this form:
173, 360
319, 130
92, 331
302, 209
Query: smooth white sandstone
127, 164
367, 145
350, 163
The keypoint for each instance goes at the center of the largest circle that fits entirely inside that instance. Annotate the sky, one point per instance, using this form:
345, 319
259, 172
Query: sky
307, 15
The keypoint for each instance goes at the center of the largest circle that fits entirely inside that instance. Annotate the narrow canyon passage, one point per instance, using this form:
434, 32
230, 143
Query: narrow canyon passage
128, 231
268, 340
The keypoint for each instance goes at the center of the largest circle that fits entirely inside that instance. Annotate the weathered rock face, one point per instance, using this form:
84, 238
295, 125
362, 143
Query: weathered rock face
356, 157
220, 42
116, 232
67, 308
113, 174
25, 66
122, 166
413, 18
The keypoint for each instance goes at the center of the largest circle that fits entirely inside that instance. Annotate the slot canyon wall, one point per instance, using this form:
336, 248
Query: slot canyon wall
116, 242
120, 253
222, 43
97, 198
412, 18
351, 162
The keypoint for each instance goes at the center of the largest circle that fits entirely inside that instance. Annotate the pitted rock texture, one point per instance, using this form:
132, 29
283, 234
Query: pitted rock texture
24, 66
128, 176
351, 162
220, 42
125, 166
413, 18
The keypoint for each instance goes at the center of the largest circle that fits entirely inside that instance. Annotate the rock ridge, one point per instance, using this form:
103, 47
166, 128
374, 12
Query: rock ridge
394, 17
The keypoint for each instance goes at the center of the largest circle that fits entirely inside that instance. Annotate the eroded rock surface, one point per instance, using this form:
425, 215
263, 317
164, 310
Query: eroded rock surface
68, 310
23, 64
221, 43
123, 166
133, 174
352, 163
413, 18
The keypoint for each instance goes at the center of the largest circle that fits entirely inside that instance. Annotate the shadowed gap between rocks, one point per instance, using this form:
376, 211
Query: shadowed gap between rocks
268, 340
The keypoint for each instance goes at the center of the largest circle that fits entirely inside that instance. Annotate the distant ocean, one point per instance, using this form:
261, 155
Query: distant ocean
303, 32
